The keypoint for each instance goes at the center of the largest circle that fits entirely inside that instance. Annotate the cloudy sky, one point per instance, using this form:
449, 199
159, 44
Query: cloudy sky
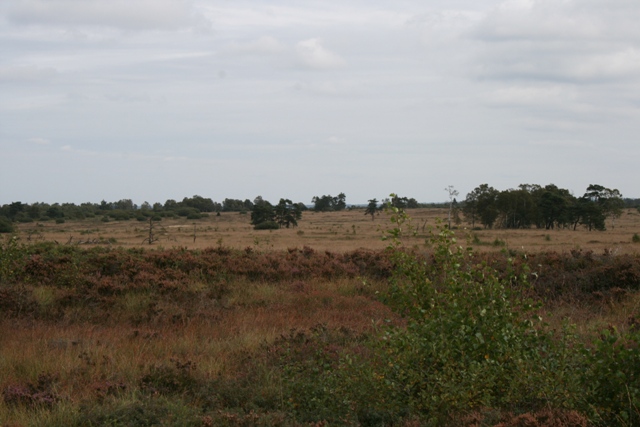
161, 99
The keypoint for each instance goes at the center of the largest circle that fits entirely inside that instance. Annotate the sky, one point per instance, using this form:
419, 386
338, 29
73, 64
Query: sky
152, 100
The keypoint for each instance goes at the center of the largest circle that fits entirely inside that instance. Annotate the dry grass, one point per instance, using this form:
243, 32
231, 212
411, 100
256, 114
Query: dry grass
226, 332
82, 357
334, 231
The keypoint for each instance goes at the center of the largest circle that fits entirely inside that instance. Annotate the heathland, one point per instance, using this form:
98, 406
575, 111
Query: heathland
326, 323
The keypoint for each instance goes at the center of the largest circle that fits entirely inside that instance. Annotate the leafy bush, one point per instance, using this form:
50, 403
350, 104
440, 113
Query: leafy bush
143, 411
635, 238
470, 341
267, 225
611, 376
5, 225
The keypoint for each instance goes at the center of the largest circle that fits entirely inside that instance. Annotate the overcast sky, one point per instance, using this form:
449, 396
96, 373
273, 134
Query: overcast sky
160, 99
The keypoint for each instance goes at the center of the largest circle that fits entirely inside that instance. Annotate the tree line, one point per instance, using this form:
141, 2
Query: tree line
548, 207
529, 205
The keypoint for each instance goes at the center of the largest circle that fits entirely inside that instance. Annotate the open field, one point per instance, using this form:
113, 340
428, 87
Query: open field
334, 231
303, 327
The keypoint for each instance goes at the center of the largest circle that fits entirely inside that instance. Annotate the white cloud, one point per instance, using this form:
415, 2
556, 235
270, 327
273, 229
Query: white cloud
262, 45
439, 26
122, 14
528, 96
25, 73
571, 41
313, 54
39, 141
336, 140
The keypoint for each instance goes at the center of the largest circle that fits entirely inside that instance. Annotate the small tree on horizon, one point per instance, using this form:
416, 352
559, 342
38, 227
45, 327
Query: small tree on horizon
372, 208
452, 197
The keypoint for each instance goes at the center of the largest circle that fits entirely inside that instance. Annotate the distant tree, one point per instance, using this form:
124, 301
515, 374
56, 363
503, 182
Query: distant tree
55, 211
34, 211
556, 207
16, 208
470, 208
235, 205
372, 208
516, 208
124, 205
170, 204
286, 213
480, 205
452, 192
105, 206
200, 203
399, 202
456, 212
412, 203
340, 202
327, 203
248, 205
590, 214
599, 203
262, 212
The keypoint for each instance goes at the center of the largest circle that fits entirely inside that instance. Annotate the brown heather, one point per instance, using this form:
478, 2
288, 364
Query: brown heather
99, 334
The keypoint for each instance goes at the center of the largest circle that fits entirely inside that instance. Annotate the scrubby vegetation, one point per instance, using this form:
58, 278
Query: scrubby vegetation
425, 335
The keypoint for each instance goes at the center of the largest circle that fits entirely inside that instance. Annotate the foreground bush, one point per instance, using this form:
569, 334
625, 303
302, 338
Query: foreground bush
471, 351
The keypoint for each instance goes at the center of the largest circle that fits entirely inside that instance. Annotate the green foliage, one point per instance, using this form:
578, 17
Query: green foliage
611, 377
403, 202
470, 340
261, 212
12, 255
267, 225
286, 213
5, 225
543, 207
139, 412
328, 203
635, 238
373, 209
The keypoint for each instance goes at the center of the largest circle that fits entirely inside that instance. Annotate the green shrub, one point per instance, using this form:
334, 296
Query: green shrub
5, 225
140, 411
266, 225
611, 377
635, 238
470, 341
60, 221
498, 242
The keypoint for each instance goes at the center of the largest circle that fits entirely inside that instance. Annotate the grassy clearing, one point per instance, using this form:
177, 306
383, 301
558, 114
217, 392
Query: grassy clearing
333, 231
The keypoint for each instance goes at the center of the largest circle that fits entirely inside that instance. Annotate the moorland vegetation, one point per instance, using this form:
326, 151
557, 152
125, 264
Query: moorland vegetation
424, 330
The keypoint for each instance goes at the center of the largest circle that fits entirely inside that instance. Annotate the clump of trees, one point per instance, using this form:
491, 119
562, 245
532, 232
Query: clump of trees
327, 203
265, 216
403, 202
548, 207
